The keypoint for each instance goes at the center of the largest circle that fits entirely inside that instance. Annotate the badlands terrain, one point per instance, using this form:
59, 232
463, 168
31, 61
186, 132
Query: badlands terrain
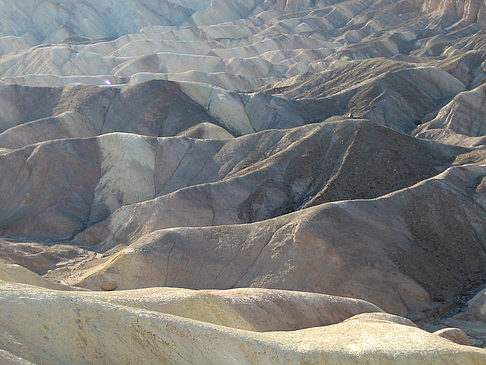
243, 182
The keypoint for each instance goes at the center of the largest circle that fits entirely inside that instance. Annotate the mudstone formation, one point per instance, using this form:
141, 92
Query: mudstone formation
243, 182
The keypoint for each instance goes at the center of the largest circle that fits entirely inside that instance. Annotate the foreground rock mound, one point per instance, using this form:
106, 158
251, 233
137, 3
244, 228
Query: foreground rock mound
52, 327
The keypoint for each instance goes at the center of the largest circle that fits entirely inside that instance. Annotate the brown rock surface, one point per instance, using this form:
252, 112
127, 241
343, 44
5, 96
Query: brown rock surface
392, 251
266, 174
244, 167
455, 335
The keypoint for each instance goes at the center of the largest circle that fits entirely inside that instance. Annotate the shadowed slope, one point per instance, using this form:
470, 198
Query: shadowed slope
397, 251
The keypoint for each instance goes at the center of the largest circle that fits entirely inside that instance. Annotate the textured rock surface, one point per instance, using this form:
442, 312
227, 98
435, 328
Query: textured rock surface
244, 180
310, 250
455, 335
248, 44
471, 320
477, 306
18, 274
244, 167
93, 330
463, 116
259, 310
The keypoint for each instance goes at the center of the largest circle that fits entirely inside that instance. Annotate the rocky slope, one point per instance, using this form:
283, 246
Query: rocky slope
279, 178
93, 330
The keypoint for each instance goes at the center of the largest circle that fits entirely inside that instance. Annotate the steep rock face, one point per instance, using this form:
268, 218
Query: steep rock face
477, 306
470, 10
467, 67
392, 94
463, 115
49, 21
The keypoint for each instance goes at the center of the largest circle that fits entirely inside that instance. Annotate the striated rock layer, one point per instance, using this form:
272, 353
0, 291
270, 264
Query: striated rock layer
89, 329
242, 181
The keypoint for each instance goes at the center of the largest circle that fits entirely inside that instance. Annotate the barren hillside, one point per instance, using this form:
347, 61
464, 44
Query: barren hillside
243, 182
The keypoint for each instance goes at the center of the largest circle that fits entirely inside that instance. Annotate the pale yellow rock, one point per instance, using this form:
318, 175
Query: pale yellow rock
223, 106
250, 309
56, 327
18, 274
122, 155
180, 202
207, 131
200, 93
230, 111
7, 358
